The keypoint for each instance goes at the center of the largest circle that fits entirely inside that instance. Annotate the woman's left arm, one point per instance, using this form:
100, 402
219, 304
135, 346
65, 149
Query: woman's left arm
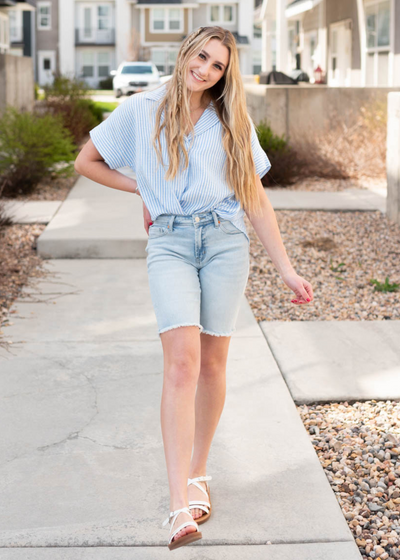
267, 229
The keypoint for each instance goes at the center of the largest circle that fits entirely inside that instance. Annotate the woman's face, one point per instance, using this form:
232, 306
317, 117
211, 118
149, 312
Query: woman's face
208, 66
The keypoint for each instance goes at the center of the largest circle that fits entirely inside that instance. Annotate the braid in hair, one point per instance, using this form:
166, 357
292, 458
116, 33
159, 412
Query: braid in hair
191, 39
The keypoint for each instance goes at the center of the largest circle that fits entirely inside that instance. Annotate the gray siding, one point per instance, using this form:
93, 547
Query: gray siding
338, 10
47, 39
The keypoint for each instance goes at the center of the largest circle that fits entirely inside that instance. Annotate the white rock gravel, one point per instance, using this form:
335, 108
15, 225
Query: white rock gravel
358, 445
338, 253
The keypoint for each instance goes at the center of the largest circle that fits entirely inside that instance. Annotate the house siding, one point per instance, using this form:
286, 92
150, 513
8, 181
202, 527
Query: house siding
339, 10
311, 19
46, 40
165, 37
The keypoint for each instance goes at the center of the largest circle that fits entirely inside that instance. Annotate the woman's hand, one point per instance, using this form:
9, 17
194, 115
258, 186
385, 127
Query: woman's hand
302, 289
146, 218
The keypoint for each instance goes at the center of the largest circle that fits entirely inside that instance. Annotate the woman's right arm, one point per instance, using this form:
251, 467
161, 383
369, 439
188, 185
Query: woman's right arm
90, 163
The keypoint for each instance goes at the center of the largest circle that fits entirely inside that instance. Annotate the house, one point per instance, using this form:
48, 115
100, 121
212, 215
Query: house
47, 37
355, 42
17, 28
96, 36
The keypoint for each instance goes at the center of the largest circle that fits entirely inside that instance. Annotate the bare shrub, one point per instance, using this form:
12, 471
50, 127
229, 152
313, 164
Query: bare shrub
344, 152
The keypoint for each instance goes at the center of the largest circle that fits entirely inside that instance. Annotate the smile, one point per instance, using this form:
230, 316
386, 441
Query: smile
196, 77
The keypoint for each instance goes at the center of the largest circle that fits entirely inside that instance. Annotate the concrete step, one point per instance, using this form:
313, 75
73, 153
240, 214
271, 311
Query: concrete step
95, 222
31, 211
348, 200
82, 461
100, 222
337, 360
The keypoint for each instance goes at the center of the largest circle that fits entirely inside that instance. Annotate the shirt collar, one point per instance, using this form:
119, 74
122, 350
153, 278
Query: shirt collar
208, 118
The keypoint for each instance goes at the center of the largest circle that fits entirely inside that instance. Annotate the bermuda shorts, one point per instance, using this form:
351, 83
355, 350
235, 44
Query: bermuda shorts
198, 267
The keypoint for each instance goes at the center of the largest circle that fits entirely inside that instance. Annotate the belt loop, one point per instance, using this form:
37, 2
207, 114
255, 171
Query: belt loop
216, 221
171, 222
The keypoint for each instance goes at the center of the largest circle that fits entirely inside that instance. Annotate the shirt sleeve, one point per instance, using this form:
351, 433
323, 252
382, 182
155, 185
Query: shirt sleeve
114, 138
261, 160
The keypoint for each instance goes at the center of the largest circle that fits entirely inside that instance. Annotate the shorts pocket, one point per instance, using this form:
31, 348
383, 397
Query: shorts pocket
228, 227
156, 230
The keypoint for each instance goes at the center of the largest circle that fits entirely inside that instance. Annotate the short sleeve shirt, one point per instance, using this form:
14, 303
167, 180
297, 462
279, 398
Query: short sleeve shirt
124, 139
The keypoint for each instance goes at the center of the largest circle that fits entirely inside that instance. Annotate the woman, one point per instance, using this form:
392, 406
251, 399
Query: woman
198, 165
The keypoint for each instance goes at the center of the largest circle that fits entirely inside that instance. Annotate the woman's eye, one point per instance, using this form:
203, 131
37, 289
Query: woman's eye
202, 55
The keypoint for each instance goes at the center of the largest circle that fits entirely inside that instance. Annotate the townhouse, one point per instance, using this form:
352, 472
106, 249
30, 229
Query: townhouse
354, 42
96, 36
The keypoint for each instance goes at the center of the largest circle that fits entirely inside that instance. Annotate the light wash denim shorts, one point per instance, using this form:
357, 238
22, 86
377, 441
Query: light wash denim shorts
198, 267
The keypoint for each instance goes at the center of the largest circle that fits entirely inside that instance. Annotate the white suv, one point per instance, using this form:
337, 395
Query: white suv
132, 77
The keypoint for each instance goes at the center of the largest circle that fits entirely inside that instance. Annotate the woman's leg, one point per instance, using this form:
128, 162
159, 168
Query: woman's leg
210, 399
181, 347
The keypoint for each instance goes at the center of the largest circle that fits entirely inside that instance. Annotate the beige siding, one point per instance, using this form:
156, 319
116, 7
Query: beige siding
165, 37
311, 19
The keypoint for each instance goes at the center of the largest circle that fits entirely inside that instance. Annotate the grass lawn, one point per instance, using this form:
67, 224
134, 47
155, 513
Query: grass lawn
106, 106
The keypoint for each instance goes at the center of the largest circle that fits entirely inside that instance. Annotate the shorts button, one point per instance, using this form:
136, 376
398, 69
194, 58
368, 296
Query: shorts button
197, 219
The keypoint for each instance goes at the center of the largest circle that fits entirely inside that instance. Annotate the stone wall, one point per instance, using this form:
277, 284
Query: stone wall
298, 110
16, 82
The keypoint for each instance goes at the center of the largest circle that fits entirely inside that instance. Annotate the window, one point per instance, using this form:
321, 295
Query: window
377, 23
166, 20
103, 17
87, 64
165, 60
103, 64
221, 13
87, 23
43, 15
15, 19
257, 33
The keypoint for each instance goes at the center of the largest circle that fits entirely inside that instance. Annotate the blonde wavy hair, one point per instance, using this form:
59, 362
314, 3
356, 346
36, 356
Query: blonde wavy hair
230, 102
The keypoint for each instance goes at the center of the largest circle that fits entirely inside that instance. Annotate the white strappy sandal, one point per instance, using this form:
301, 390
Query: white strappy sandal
189, 537
201, 504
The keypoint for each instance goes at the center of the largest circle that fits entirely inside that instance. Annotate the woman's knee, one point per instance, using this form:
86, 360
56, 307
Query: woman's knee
181, 356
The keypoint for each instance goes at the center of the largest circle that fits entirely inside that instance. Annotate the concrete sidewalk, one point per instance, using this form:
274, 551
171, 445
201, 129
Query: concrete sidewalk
83, 471
99, 222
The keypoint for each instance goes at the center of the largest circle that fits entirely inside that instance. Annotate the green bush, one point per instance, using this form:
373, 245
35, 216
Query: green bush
269, 141
285, 167
36, 86
31, 148
107, 83
66, 89
67, 98
297, 160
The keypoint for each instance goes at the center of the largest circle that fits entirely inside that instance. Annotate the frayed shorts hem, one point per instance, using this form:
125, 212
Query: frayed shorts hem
202, 330
180, 325
218, 334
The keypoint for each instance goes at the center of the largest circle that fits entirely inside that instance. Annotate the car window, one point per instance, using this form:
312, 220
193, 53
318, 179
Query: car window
137, 70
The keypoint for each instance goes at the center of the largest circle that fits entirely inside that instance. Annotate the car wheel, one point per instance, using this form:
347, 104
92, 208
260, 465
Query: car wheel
117, 93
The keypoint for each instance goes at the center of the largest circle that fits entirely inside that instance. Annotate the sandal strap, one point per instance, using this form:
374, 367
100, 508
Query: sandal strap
195, 482
200, 479
175, 514
181, 527
191, 502
196, 505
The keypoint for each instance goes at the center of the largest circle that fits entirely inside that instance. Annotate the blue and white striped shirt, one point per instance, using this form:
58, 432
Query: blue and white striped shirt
124, 139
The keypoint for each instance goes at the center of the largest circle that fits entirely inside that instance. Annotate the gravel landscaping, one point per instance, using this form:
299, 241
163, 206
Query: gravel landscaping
338, 253
358, 446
